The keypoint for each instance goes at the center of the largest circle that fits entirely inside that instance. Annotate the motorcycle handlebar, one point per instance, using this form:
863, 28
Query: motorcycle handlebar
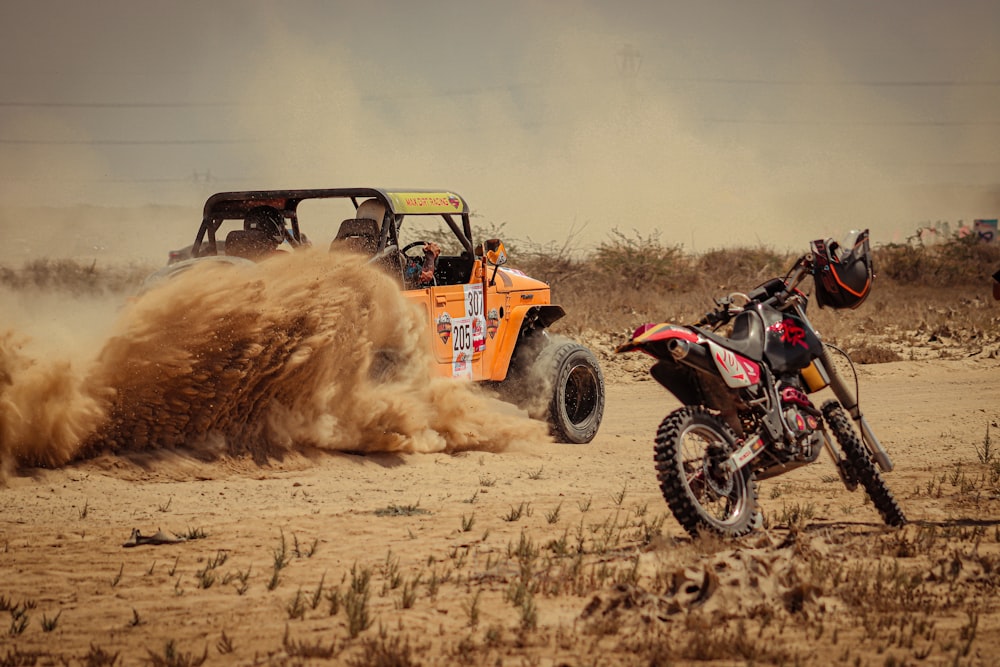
716, 317
783, 290
767, 290
780, 290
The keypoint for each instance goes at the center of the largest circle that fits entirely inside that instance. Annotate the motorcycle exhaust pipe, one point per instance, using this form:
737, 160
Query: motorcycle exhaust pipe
678, 348
847, 398
693, 356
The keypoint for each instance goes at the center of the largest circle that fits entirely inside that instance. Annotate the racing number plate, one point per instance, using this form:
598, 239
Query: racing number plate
468, 332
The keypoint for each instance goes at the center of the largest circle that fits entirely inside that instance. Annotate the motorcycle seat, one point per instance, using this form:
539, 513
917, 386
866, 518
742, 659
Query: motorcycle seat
747, 338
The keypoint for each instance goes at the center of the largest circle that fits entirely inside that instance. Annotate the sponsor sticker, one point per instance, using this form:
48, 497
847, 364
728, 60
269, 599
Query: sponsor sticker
492, 322
791, 333
444, 327
425, 202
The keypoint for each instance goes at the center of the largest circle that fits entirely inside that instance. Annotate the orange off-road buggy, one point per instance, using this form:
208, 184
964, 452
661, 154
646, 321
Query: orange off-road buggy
489, 322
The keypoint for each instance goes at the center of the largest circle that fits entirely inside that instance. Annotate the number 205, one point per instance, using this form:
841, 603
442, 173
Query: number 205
462, 336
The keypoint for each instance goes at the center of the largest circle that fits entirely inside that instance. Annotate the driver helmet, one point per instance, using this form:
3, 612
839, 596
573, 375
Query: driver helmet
266, 219
842, 272
371, 209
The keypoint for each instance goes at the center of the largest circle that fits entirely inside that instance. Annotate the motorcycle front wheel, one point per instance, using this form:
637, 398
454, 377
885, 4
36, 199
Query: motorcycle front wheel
691, 445
864, 468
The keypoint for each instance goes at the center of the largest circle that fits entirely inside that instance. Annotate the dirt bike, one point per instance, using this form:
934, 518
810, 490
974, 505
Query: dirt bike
746, 413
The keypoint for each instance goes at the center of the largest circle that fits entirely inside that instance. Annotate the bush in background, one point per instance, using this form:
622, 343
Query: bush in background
74, 276
922, 294
957, 262
933, 292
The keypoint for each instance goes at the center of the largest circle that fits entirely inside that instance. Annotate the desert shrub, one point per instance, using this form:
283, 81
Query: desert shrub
628, 280
901, 262
742, 268
952, 263
556, 265
74, 277
964, 261
640, 262
869, 353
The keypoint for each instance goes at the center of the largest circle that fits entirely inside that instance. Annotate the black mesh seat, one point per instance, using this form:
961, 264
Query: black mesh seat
253, 244
357, 234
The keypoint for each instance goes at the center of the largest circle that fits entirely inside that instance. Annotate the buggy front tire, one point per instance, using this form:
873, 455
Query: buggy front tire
576, 401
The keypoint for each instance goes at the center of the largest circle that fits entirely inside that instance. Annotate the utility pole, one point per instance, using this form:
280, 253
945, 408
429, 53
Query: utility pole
629, 61
199, 177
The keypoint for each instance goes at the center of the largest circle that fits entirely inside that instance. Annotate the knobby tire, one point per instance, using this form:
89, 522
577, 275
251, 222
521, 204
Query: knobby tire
864, 468
670, 471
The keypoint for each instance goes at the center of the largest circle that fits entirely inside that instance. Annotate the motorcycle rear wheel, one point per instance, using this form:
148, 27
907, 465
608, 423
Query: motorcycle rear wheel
690, 443
860, 460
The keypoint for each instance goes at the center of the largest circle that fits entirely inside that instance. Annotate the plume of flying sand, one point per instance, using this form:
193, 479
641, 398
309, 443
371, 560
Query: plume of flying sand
46, 409
312, 350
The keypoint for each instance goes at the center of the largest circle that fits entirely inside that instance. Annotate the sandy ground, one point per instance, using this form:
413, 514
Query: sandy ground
455, 576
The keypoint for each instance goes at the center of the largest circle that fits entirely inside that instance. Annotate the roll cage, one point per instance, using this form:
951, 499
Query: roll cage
399, 203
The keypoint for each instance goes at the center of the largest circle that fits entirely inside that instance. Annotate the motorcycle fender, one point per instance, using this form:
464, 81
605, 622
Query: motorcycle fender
736, 371
652, 338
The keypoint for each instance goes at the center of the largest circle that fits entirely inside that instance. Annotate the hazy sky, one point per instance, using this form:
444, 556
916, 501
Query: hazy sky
715, 122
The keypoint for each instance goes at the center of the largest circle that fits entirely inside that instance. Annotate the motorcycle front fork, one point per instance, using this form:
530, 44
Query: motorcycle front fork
840, 463
850, 403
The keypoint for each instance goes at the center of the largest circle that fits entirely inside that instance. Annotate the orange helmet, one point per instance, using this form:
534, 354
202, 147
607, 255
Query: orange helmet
843, 271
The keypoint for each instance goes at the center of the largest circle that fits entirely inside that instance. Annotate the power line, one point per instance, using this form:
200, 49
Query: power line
188, 180
861, 83
535, 85
123, 142
527, 125
848, 123
114, 105
199, 177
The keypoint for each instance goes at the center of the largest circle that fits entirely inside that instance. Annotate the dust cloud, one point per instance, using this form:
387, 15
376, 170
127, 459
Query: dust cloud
777, 150
719, 124
318, 351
